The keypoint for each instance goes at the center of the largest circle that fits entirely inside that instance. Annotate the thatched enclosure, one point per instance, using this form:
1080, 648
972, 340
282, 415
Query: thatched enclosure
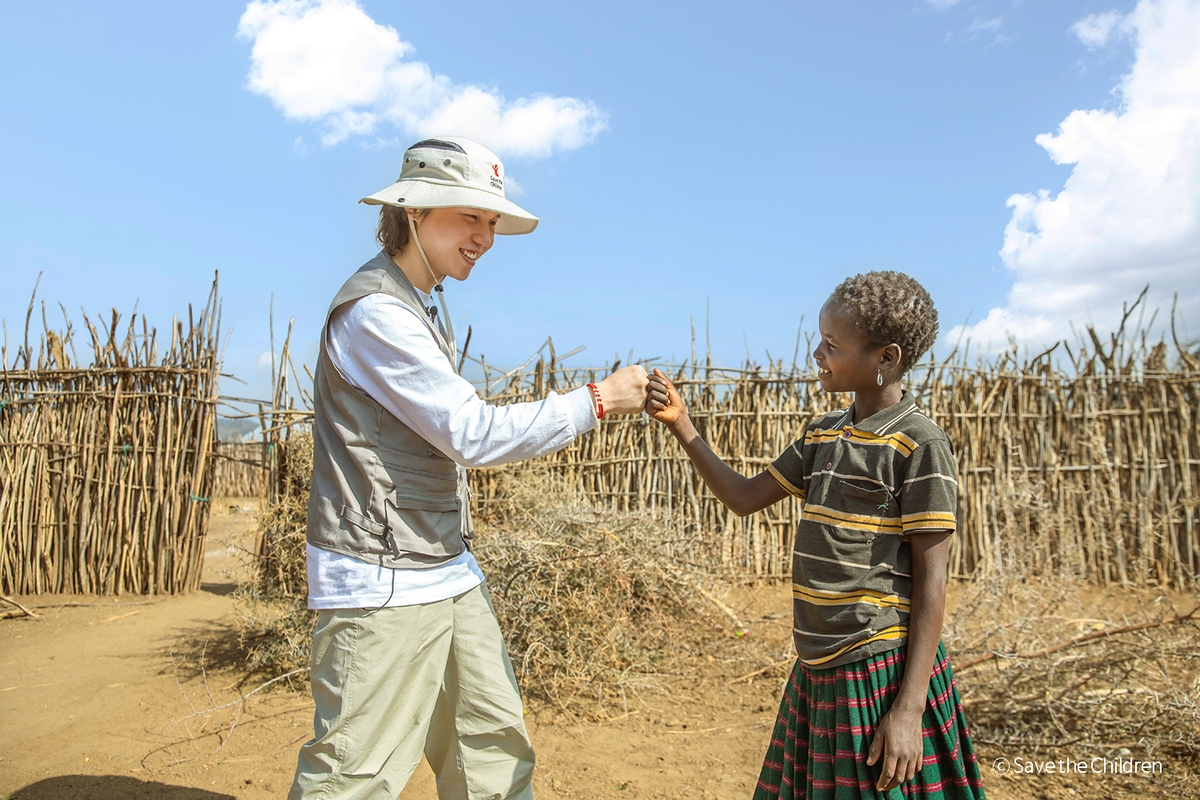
105, 467
1090, 470
240, 469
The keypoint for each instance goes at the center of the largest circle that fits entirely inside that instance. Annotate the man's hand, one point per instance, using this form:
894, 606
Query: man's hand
624, 392
663, 401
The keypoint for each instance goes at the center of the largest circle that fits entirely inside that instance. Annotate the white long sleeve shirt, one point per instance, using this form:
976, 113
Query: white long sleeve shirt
382, 347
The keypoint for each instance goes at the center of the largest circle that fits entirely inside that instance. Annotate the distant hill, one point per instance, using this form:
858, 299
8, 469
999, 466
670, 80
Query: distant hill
236, 430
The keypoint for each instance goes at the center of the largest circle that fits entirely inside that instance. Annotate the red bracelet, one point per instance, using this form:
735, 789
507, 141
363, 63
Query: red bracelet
599, 402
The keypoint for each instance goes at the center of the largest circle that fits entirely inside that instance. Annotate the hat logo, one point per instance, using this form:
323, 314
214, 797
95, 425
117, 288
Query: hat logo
496, 169
495, 179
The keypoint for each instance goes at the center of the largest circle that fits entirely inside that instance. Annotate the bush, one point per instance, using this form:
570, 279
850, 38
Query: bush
592, 603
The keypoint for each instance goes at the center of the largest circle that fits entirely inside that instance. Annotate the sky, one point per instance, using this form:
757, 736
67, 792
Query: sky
1033, 164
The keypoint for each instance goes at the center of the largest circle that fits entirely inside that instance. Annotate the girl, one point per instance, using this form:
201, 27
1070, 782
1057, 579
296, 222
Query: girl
871, 708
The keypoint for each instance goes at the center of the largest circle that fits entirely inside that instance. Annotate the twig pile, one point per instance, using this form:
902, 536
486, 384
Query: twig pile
274, 623
593, 605
1042, 669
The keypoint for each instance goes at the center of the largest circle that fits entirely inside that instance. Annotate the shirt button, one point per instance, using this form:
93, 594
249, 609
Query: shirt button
828, 465
847, 434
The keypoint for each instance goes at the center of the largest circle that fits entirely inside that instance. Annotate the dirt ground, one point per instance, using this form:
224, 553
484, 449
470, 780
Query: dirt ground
108, 699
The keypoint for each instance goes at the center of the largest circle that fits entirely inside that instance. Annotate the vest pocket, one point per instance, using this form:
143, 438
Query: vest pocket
422, 489
422, 507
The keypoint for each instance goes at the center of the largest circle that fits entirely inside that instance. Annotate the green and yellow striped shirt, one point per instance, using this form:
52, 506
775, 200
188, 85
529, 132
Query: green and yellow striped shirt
865, 488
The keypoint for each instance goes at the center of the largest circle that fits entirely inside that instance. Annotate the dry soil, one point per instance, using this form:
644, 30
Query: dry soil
129, 697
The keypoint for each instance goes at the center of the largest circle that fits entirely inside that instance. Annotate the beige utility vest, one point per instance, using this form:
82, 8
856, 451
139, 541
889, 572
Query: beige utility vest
380, 493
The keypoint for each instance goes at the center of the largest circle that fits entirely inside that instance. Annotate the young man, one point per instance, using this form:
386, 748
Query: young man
407, 653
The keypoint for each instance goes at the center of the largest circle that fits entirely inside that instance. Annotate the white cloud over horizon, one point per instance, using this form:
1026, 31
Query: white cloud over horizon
989, 28
1128, 215
1096, 30
328, 62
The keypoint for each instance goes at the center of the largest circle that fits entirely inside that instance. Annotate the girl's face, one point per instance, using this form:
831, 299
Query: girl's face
846, 361
455, 238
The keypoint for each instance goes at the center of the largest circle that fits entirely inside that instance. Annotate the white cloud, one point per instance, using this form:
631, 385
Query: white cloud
990, 28
980, 25
1096, 30
328, 62
1129, 213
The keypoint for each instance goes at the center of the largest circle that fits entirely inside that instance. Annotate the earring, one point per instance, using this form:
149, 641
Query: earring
879, 377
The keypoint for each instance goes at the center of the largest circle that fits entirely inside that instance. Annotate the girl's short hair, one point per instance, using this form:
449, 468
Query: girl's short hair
891, 307
393, 232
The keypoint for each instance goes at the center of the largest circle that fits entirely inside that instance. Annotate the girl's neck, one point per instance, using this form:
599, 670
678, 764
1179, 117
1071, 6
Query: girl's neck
870, 402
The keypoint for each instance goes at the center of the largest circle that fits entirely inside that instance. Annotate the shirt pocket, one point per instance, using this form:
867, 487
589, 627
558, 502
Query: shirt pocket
871, 510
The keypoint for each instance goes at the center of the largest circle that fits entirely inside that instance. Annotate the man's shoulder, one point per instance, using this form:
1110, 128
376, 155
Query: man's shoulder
377, 276
375, 273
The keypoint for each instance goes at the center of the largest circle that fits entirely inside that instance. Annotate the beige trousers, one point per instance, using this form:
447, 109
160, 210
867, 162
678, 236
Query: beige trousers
392, 684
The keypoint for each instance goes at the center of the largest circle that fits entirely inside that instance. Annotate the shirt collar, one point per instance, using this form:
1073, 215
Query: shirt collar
880, 421
426, 300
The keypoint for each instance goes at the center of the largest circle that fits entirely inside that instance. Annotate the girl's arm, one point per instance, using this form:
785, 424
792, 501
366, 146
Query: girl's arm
898, 738
740, 494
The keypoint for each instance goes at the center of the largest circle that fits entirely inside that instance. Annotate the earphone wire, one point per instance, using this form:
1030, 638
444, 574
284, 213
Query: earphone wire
391, 594
437, 285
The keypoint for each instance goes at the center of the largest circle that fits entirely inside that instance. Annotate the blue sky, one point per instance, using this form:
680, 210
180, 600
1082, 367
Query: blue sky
1034, 164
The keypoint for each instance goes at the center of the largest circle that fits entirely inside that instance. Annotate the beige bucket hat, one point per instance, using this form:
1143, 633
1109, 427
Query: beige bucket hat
448, 172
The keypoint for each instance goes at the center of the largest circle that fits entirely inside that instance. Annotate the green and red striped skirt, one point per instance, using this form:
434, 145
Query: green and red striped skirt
819, 747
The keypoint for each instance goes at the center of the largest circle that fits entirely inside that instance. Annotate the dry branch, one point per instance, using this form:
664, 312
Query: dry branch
22, 608
1076, 642
1134, 684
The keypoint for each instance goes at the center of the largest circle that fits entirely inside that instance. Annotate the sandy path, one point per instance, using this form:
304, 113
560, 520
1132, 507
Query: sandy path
87, 691
95, 701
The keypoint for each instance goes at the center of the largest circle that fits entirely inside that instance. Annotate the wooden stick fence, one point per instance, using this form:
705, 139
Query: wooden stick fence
239, 470
1089, 469
260, 469
106, 469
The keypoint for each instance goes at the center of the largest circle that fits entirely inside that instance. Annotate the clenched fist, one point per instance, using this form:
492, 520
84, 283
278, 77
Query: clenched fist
624, 392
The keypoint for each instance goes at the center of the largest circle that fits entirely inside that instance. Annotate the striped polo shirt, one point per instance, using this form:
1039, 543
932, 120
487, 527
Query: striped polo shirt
865, 488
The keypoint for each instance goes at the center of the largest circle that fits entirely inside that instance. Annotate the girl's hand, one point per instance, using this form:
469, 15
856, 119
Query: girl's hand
898, 740
662, 399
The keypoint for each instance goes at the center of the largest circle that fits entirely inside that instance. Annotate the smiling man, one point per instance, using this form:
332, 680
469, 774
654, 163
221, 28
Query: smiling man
407, 655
